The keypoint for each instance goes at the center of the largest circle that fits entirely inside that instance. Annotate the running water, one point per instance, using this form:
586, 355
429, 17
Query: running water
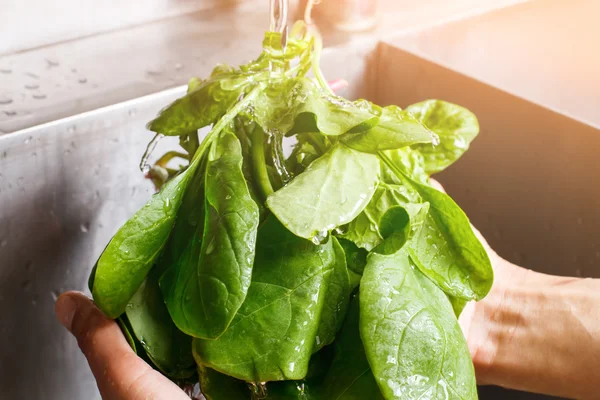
144, 165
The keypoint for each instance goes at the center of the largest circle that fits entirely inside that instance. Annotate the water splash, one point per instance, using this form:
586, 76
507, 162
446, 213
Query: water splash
144, 165
320, 237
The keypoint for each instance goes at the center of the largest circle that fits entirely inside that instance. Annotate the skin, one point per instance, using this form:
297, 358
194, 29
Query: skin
533, 332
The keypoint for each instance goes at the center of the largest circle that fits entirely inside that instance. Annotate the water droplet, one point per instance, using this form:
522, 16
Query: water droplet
85, 227
71, 129
259, 390
67, 152
3, 242
54, 294
578, 273
34, 302
39, 96
579, 221
32, 75
5, 71
32, 86
154, 72
51, 63
27, 140
82, 80
10, 113
178, 66
320, 237
228, 197
5, 100
132, 112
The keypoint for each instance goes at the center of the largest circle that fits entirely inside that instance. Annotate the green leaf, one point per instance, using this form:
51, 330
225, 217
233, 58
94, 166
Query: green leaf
273, 333
127, 259
411, 162
331, 192
364, 230
455, 126
308, 388
350, 376
209, 284
167, 347
446, 249
337, 298
412, 339
356, 259
395, 228
201, 107
217, 386
396, 129
297, 105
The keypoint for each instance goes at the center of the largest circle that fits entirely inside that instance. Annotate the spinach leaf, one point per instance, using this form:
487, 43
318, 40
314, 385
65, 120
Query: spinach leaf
133, 250
412, 340
331, 192
364, 230
455, 126
204, 299
297, 105
395, 228
272, 335
167, 347
337, 297
356, 259
446, 249
201, 107
396, 129
308, 388
217, 386
350, 376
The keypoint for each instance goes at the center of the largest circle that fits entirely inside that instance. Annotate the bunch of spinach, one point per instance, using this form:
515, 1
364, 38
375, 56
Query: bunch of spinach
337, 272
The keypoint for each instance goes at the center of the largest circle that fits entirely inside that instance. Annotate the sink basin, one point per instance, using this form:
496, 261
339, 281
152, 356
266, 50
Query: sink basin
66, 186
543, 51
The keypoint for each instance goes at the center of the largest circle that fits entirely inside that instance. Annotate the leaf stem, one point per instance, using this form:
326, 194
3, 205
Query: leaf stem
390, 164
225, 119
316, 142
259, 164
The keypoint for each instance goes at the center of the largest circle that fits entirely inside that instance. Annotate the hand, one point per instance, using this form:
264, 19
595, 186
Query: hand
119, 372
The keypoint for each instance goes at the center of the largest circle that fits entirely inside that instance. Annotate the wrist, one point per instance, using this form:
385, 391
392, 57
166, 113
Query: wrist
495, 318
537, 333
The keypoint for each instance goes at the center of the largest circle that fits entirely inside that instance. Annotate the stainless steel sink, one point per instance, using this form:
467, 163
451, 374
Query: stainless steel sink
66, 186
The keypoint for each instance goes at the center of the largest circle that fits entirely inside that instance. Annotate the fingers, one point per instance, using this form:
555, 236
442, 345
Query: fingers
436, 185
119, 372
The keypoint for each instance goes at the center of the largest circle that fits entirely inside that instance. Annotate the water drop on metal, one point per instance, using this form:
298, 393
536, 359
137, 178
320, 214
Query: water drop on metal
83, 80
5, 100
39, 96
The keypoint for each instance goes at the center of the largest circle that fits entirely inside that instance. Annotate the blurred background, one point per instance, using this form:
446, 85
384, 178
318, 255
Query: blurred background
79, 80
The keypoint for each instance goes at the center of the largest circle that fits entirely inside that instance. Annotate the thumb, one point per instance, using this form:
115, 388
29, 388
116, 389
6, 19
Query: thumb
119, 372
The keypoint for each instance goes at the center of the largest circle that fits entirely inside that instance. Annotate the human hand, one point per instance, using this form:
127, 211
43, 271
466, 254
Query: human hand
120, 374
